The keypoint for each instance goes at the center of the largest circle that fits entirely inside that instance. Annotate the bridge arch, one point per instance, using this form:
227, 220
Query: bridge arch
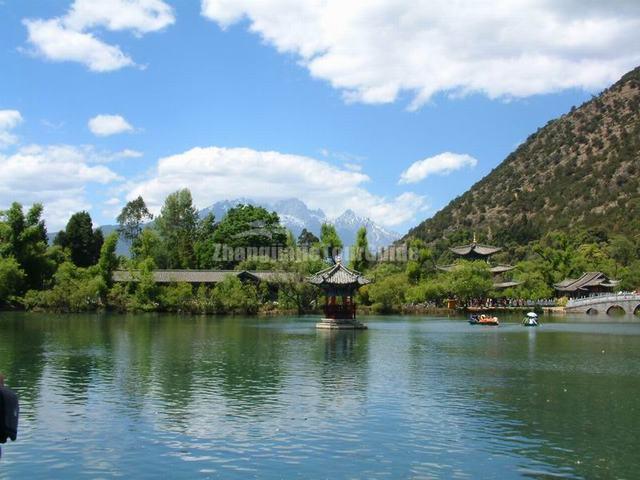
592, 311
616, 310
636, 311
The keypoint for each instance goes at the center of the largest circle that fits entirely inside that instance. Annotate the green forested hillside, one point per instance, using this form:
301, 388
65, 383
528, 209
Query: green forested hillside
580, 171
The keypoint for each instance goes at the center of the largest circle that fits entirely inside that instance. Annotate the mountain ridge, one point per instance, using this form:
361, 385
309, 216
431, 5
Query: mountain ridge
579, 171
295, 215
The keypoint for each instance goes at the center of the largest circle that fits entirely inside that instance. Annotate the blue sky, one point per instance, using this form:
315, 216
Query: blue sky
329, 102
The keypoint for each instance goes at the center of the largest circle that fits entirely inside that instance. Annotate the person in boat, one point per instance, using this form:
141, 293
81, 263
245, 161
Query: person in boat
530, 320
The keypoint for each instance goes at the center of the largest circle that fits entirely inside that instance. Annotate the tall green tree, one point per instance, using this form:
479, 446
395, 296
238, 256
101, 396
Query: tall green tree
330, 242
622, 250
108, 261
177, 225
360, 255
147, 290
249, 226
132, 219
307, 239
470, 280
25, 239
11, 279
205, 248
388, 292
82, 241
558, 252
150, 245
421, 262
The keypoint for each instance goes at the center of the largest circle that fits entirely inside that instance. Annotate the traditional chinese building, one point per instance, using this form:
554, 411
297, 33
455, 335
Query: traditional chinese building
478, 251
590, 283
339, 285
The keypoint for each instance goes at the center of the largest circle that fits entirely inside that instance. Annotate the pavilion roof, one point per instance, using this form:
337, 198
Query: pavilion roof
495, 270
586, 281
502, 285
338, 274
502, 268
475, 248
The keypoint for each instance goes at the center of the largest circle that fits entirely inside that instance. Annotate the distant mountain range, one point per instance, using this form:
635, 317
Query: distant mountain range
296, 216
580, 171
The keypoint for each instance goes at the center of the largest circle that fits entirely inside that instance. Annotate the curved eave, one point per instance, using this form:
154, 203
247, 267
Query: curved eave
506, 285
476, 248
502, 268
338, 275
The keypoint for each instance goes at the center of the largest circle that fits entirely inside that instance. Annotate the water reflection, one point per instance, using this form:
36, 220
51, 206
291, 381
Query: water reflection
142, 395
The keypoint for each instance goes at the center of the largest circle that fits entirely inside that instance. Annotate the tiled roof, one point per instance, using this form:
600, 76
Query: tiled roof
338, 274
477, 248
502, 268
506, 284
586, 281
201, 276
496, 269
446, 268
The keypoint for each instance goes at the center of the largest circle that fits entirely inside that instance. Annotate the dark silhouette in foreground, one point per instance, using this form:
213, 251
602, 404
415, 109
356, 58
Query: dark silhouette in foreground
9, 412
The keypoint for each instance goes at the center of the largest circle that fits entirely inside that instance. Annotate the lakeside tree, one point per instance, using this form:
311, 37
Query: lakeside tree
249, 226
24, 238
360, 255
421, 263
108, 261
469, 280
622, 250
149, 245
307, 239
11, 279
330, 242
132, 219
205, 248
82, 241
388, 293
28, 265
177, 225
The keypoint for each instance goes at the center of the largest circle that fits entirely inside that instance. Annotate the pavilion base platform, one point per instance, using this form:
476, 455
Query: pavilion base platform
340, 324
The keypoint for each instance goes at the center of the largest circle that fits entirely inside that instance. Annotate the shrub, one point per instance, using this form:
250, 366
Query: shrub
11, 279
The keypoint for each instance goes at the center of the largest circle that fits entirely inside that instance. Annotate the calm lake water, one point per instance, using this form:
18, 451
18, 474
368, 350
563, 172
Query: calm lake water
412, 397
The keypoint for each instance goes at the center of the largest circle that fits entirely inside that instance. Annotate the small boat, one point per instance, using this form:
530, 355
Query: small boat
483, 320
530, 320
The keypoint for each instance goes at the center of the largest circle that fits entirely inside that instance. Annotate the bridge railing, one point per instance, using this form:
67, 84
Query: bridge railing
602, 298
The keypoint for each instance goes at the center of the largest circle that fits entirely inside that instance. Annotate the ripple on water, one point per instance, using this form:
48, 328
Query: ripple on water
409, 398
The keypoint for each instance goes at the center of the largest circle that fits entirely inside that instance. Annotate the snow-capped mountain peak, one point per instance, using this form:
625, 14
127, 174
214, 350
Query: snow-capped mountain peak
296, 216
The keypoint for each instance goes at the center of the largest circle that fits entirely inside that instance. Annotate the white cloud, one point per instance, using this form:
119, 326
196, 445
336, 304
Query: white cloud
140, 16
442, 164
55, 42
54, 175
215, 173
374, 50
106, 125
9, 119
68, 38
128, 153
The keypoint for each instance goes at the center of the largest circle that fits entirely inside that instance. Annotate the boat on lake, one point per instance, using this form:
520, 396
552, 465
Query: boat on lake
483, 320
530, 320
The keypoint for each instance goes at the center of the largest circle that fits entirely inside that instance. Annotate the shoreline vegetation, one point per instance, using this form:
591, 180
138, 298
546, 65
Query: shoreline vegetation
76, 272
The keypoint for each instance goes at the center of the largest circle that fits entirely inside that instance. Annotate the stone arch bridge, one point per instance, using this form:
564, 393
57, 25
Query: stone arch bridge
607, 303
